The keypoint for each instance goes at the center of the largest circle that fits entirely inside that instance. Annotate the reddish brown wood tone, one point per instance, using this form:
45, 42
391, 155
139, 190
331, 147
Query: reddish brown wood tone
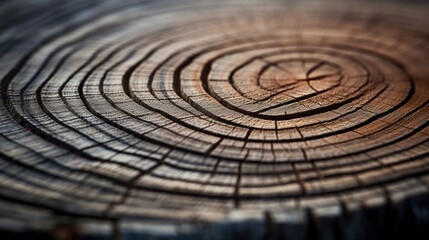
303, 118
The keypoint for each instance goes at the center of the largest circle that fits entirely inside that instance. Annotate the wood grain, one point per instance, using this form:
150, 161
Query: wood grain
304, 119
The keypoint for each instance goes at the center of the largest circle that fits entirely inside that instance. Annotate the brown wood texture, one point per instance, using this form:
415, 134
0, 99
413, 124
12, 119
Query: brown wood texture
253, 119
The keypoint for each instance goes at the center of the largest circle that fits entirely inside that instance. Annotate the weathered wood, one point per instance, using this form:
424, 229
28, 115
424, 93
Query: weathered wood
218, 120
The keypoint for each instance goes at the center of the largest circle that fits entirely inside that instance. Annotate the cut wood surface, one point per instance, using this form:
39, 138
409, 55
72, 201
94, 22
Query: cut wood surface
269, 119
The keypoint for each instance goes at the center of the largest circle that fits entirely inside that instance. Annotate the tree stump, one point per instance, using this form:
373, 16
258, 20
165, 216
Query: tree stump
125, 119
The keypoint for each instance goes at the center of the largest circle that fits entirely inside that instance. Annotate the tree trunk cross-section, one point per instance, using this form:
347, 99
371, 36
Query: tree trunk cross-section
215, 120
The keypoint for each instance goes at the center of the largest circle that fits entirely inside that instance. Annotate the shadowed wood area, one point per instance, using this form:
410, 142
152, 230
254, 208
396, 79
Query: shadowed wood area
214, 119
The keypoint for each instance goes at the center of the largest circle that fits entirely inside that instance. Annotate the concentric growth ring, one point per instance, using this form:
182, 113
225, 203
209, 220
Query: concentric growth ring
178, 111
